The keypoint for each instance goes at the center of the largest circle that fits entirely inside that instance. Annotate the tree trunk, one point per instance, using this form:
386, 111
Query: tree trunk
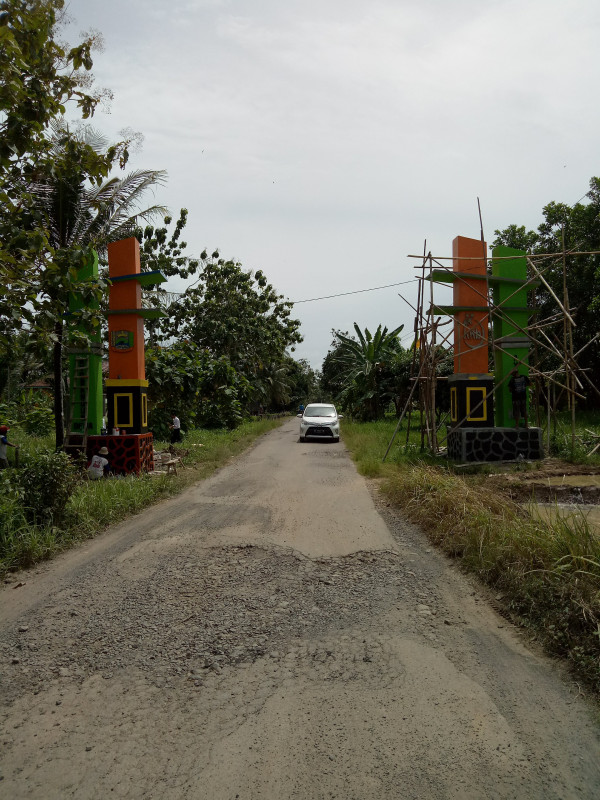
59, 422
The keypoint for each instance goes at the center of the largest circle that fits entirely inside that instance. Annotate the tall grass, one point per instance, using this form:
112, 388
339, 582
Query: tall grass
374, 437
547, 571
21, 543
94, 505
369, 442
561, 441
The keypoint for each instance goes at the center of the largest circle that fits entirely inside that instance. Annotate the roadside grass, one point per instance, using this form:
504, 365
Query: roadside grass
587, 422
369, 442
547, 571
94, 505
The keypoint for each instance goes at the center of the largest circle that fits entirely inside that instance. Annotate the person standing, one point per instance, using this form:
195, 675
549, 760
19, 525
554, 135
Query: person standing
517, 386
175, 428
4, 443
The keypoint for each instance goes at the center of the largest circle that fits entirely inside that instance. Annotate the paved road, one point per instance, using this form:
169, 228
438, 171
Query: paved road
273, 633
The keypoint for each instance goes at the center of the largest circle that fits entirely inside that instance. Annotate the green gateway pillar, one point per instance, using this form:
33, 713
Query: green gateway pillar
510, 320
85, 368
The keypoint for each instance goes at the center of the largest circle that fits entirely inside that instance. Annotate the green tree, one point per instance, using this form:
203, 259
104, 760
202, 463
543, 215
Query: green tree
578, 226
22, 364
205, 391
227, 310
38, 78
78, 215
518, 237
237, 314
332, 379
164, 252
394, 377
303, 381
364, 364
41, 207
271, 386
159, 252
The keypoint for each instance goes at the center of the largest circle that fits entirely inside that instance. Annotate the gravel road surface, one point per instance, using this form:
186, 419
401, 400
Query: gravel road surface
276, 632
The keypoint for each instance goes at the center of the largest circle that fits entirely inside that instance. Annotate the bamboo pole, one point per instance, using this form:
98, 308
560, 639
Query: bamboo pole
533, 331
415, 384
548, 413
551, 290
535, 372
570, 376
432, 367
489, 394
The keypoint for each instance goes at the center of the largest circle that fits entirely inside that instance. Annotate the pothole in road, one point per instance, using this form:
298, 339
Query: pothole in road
204, 611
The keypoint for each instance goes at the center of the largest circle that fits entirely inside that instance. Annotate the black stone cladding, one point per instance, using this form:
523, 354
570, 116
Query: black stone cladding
495, 444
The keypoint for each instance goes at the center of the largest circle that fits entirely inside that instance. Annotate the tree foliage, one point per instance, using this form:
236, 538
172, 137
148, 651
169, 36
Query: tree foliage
38, 78
234, 313
578, 228
229, 312
364, 370
204, 391
159, 252
230, 331
56, 198
303, 382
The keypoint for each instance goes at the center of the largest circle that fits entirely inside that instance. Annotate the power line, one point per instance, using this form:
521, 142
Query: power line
358, 291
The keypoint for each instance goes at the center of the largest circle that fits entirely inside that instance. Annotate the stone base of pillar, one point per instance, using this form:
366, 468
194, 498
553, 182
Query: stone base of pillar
495, 444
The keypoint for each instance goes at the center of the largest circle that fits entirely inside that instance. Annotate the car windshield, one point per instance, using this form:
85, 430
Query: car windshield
319, 411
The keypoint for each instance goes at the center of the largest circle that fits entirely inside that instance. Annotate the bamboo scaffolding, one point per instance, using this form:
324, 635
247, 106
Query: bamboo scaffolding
427, 333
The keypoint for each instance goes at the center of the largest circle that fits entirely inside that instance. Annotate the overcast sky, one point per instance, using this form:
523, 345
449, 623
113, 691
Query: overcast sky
323, 142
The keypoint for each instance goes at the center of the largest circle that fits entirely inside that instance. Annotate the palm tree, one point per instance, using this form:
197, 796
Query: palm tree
80, 215
272, 384
361, 363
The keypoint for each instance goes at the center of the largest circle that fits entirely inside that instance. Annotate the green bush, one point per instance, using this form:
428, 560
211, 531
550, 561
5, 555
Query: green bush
32, 413
45, 483
38, 419
8, 414
12, 517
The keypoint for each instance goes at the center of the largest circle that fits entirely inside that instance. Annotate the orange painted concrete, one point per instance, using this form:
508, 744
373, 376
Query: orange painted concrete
124, 259
131, 364
470, 337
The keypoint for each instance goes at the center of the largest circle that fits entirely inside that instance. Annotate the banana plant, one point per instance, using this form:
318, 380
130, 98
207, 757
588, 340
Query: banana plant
361, 362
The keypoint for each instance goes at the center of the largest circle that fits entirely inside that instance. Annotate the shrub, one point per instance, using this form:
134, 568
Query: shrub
12, 518
38, 419
45, 483
32, 413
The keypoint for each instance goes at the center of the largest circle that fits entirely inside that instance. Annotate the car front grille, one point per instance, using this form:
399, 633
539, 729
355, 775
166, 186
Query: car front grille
317, 431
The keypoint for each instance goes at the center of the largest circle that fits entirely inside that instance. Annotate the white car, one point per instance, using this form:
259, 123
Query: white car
320, 421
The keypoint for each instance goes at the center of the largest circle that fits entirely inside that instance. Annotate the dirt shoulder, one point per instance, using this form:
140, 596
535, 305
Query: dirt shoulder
551, 480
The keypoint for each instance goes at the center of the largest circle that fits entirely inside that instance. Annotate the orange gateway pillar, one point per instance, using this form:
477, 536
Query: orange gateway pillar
471, 304
126, 385
471, 386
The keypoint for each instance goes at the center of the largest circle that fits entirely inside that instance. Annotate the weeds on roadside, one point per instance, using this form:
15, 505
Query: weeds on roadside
20, 542
548, 570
